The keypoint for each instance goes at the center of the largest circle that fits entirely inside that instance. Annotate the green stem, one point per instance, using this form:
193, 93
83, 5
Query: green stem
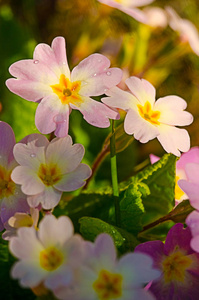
114, 175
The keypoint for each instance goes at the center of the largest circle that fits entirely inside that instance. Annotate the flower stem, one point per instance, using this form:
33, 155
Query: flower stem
114, 175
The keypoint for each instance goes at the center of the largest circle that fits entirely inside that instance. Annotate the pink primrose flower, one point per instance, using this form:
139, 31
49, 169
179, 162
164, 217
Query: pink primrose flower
20, 220
190, 185
47, 169
192, 156
186, 29
193, 222
47, 79
102, 276
12, 199
178, 263
130, 7
47, 256
148, 119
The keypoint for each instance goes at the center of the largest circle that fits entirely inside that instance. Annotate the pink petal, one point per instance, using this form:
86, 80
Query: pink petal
101, 82
59, 48
32, 154
192, 191
96, 113
29, 90
172, 111
29, 273
88, 67
173, 139
65, 155
142, 129
120, 99
49, 198
47, 114
7, 142
193, 222
74, 180
53, 231
135, 13
192, 171
192, 156
142, 89
31, 183
25, 245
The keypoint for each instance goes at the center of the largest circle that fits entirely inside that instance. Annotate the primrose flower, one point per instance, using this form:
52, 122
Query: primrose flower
47, 79
12, 200
178, 263
186, 29
102, 277
47, 256
20, 220
190, 185
130, 7
192, 156
148, 119
47, 169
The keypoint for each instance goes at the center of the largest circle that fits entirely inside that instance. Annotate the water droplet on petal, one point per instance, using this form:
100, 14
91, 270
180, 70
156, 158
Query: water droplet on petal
35, 61
64, 63
95, 74
99, 60
105, 90
32, 155
108, 73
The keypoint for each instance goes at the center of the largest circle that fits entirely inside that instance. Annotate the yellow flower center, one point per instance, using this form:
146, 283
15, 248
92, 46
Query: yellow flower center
178, 192
148, 114
7, 186
49, 174
51, 258
175, 266
67, 91
108, 285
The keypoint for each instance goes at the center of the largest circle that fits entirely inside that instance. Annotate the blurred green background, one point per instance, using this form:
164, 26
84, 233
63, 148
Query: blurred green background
88, 27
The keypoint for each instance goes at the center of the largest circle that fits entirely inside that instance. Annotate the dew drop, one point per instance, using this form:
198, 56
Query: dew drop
105, 90
108, 73
35, 61
64, 63
99, 60
32, 155
95, 74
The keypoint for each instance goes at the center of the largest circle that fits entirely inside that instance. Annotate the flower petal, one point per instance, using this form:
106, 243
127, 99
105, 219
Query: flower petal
140, 128
66, 156
7, 142
120, 99
31, 183
142, 89
172, 111
74, 180
49, 198
53, 231
96, 113
173, 139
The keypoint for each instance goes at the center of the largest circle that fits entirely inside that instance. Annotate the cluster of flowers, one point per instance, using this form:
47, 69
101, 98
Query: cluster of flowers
35, 172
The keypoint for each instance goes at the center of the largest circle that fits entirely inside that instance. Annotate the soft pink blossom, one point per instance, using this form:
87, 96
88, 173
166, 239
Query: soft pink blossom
20, 220
103, 276
48, 255
47, 169
130, 7
147, 119
46, 79
186, 29
192, 156
12, 199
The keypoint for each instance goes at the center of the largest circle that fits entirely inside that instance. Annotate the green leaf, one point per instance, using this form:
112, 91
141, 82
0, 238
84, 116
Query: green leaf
87, 204
91, 227
131, 206
160, 178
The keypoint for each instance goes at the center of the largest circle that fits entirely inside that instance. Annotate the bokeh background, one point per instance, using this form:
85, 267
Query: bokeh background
154, 53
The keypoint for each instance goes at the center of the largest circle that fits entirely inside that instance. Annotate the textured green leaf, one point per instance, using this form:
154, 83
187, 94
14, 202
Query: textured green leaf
91, 227
131, 206
160, 178
87, 204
